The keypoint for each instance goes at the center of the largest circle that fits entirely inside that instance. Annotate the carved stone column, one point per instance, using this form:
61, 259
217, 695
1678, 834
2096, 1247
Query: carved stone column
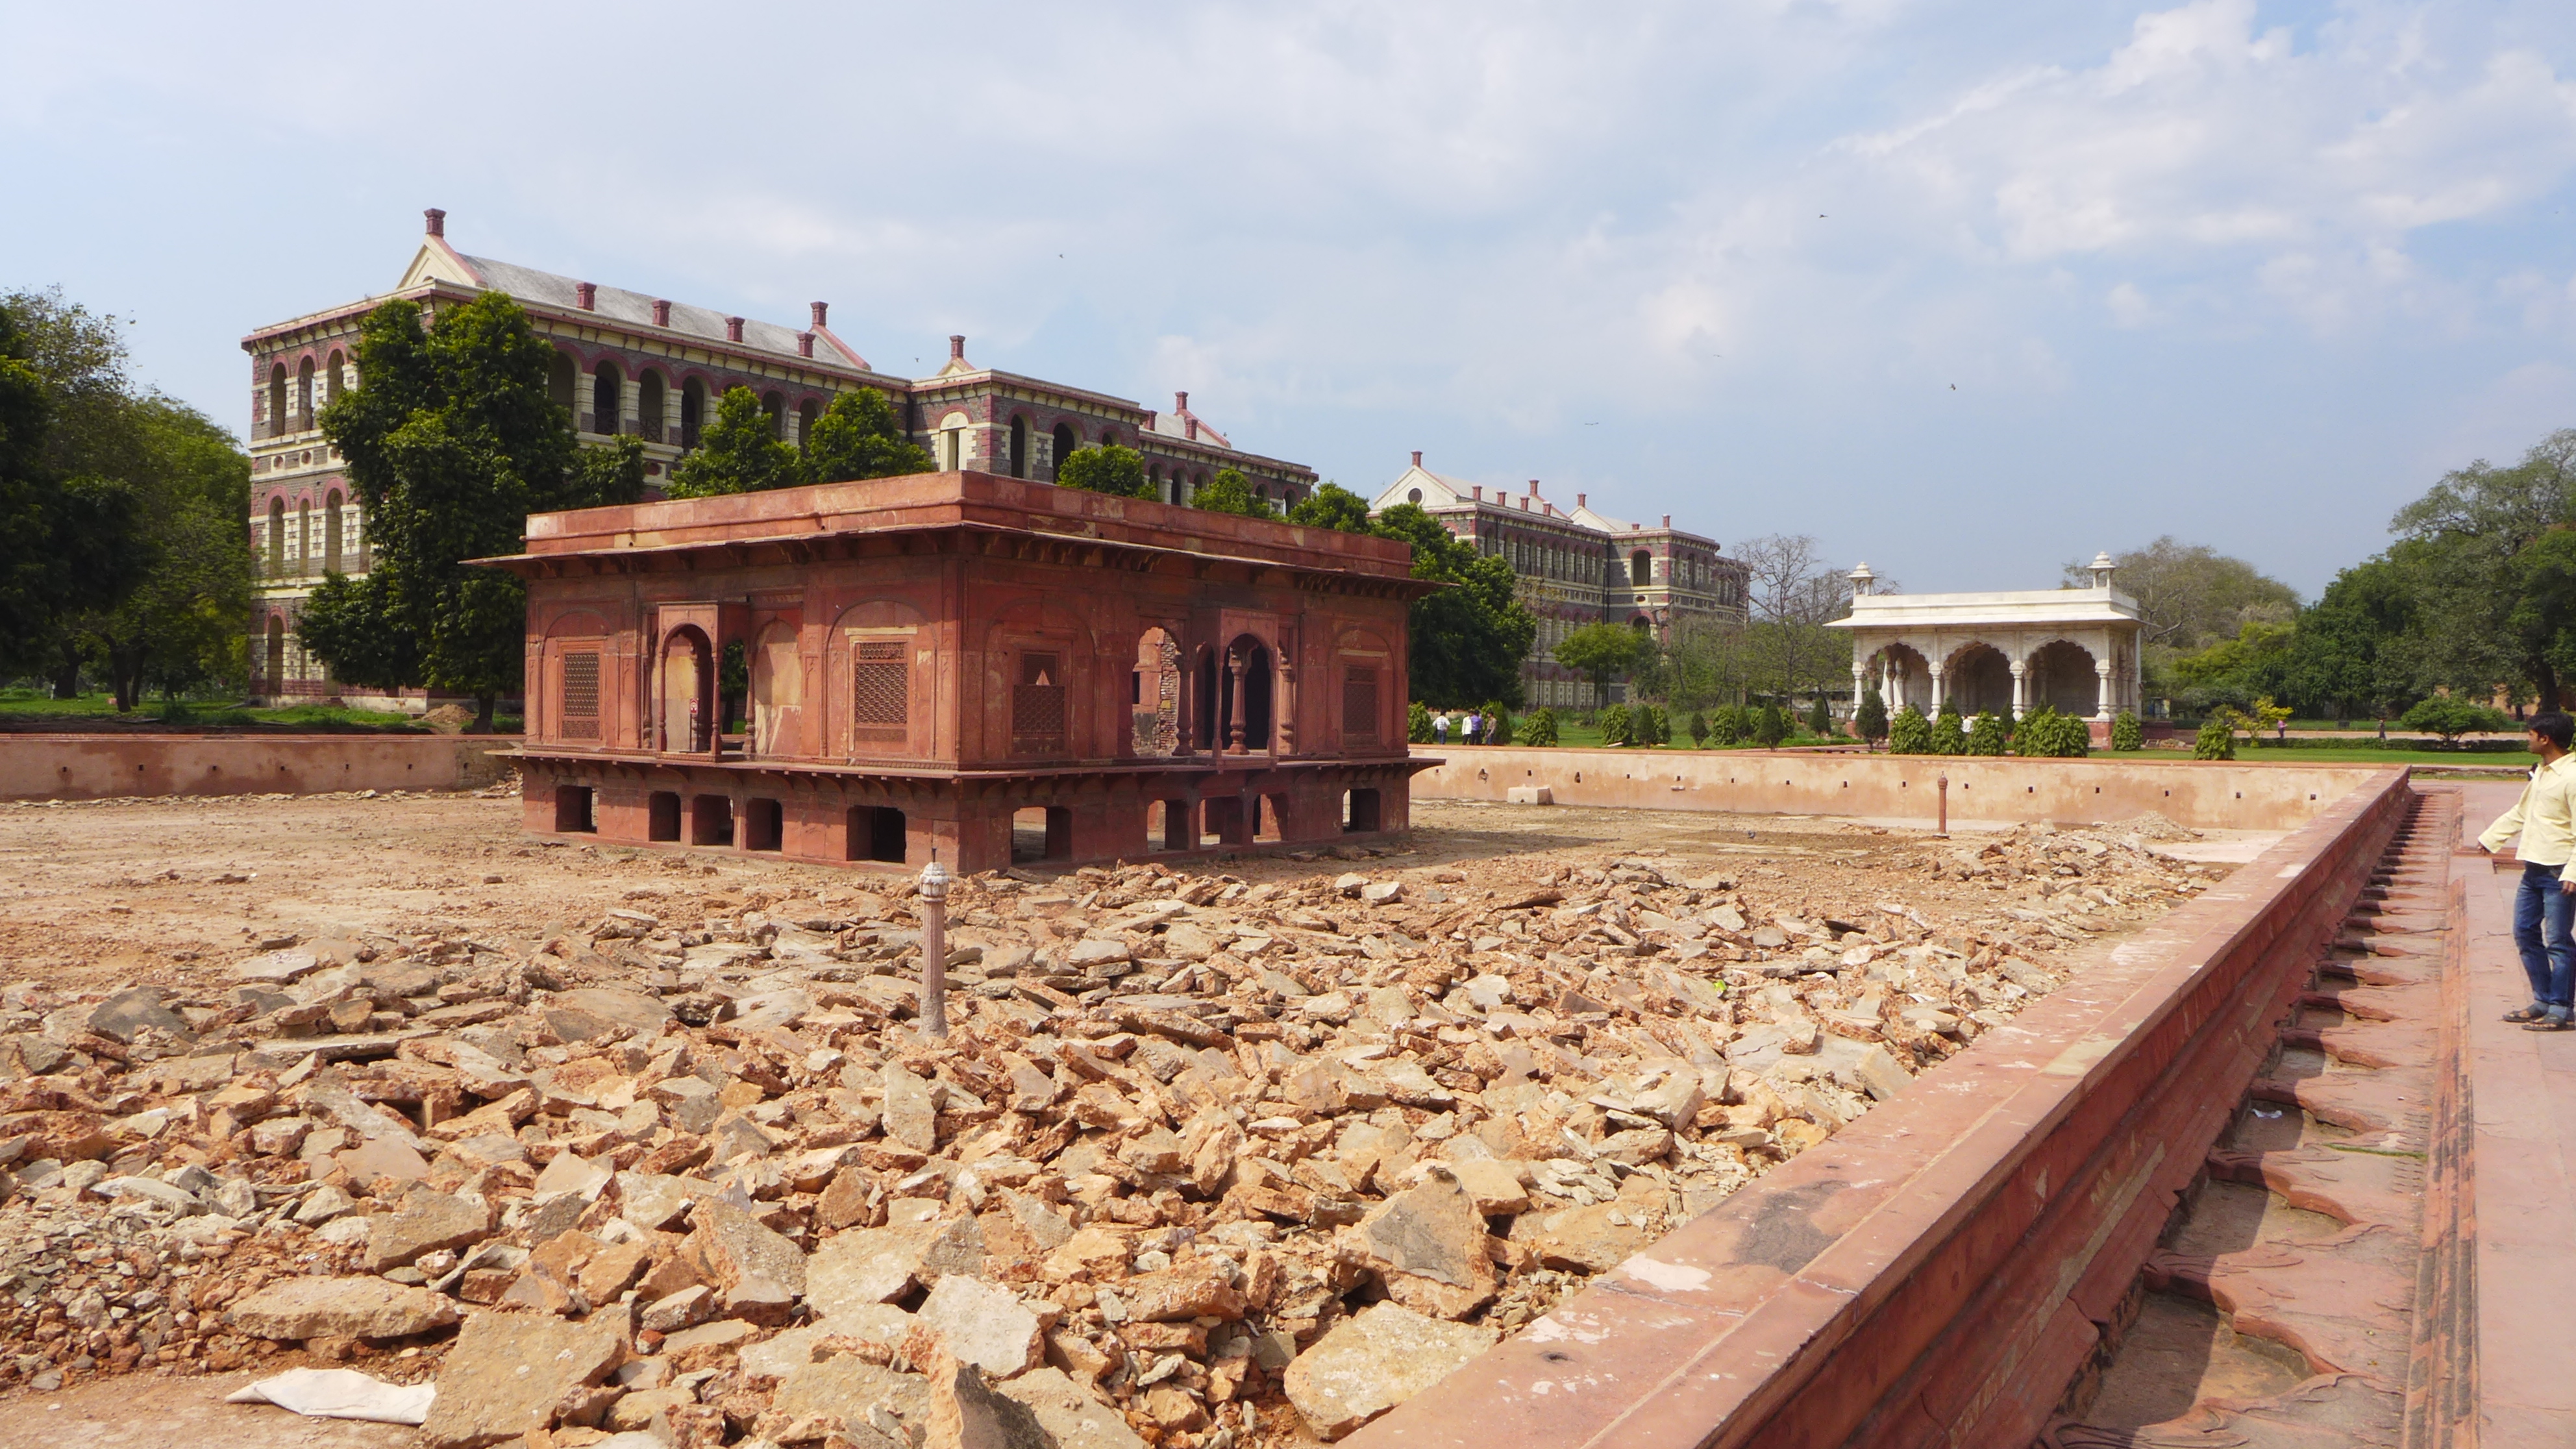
1234, 663
2021, 687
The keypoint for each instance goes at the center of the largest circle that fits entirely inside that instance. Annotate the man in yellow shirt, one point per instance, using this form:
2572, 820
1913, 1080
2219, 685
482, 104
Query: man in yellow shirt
2545, 906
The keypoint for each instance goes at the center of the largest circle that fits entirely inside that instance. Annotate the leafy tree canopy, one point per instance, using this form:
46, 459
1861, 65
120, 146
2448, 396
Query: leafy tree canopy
859, 436
740, 452
1331, 506
1230, 492
1603, 651
1467, 641
1112, 469
451, 441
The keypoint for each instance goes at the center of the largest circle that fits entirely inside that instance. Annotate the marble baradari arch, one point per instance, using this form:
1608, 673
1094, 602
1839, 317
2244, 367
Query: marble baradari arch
2075, 650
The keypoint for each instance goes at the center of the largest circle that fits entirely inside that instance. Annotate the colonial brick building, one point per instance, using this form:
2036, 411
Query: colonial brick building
650, 368
966, 662
1577, 567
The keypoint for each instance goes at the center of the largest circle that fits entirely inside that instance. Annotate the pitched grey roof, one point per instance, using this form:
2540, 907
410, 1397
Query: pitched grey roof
636, 309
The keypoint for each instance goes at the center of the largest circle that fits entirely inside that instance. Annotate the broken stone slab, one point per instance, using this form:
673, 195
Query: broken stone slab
983, 1324
595, 1011
965, 1412
426, 1222
1198, 1288
127, 1014
878, 1265
910, 1116
1375, 1360
1071, 1413
858, 1393
306, 1307
735, 1252
1529, 795
1428, 1244
506, 1372
278, 967
152, 1190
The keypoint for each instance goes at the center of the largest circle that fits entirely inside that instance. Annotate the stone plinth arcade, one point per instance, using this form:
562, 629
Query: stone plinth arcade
991, 668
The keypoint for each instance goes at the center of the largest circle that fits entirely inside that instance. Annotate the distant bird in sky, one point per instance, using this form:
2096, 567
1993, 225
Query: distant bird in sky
1954, 387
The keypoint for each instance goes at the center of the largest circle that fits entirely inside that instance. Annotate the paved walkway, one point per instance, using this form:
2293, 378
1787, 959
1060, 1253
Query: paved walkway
2524, 1086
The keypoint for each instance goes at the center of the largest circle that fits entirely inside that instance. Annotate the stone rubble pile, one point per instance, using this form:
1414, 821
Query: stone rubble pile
1201, 1158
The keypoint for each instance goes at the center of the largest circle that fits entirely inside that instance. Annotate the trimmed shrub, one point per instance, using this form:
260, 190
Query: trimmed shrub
1540, 728
1615, 728
1417, 723
1949, 734
2127, 733
1988, 735
1654, 726
1498, 724
1728, 725
2451, 717
1909, 733
1771, 727
2216, 740
1870, 720
1699, 730
2045, 732
1820, 720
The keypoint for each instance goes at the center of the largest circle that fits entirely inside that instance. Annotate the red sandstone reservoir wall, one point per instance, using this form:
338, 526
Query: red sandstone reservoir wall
2238, 795
1933, 1274
93, 767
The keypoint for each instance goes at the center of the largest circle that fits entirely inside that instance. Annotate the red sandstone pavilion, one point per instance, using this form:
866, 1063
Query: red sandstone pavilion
937, 659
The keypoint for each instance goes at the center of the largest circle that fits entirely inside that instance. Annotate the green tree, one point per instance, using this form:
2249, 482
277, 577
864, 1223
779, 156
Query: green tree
1949, 733
1820, 720
1230, 492
1618, 726
740, 452
1909, 733
1331, 506
1770, 726
1988, 735
859, 436
2126, 733
1498, 723
1870, 720
2351, 653
2190, 597
451, 441
1540, 729
183, 623
2045, 733
1699, 729
1417, 722
2451, 718
1468, 640
1603, 651
1729, 726
1112, 469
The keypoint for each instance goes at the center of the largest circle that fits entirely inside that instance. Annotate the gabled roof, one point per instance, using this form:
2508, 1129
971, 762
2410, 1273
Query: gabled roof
436, 261
1177, 423
1439, 490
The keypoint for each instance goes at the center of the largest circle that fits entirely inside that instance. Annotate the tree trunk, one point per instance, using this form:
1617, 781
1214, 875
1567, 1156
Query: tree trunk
2546, 679
482, 715
67, 674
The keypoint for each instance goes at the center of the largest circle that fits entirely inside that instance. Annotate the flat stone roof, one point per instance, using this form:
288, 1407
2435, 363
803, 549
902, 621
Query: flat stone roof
2023, 606
950, 502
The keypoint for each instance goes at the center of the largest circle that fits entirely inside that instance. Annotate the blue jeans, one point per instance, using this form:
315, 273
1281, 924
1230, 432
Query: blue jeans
2542, 917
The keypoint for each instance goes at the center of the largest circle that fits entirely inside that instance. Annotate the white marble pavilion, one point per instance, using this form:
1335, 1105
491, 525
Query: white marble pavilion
2075, 650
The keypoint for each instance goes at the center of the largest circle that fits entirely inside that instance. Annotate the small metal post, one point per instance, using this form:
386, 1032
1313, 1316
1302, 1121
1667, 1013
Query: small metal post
934, 949
1945, 807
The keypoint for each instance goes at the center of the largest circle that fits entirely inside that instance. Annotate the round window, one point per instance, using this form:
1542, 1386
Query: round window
1413, 495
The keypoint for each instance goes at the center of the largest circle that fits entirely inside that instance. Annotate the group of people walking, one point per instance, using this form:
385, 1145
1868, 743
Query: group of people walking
1471, 727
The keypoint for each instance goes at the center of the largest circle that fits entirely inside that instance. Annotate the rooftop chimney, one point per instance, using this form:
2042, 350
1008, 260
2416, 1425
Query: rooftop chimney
1180, 402
733, 329
437, 221
1417, 457
661, 313
1475, 490
1582, 500
805, 344
586, 296
957, 347
1193, 425
821, 311
1533, 487
1668, 520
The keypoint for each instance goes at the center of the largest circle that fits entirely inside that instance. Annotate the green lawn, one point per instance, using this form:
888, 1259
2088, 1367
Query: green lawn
1572, 734
25, 707
2358, 754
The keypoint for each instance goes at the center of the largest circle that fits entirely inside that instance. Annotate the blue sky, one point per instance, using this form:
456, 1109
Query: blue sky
1964, 289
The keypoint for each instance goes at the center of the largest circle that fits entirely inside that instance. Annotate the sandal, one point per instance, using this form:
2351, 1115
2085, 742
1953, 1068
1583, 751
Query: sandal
2551, 1022
2528, 1013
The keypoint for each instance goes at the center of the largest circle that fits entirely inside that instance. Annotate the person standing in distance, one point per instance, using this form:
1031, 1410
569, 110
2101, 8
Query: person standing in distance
2544, 907
1440, 728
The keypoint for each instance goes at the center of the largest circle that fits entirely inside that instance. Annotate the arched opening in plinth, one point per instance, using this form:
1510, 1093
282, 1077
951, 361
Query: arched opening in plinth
2061, 676
1979, 681
1041, 833
876, 832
